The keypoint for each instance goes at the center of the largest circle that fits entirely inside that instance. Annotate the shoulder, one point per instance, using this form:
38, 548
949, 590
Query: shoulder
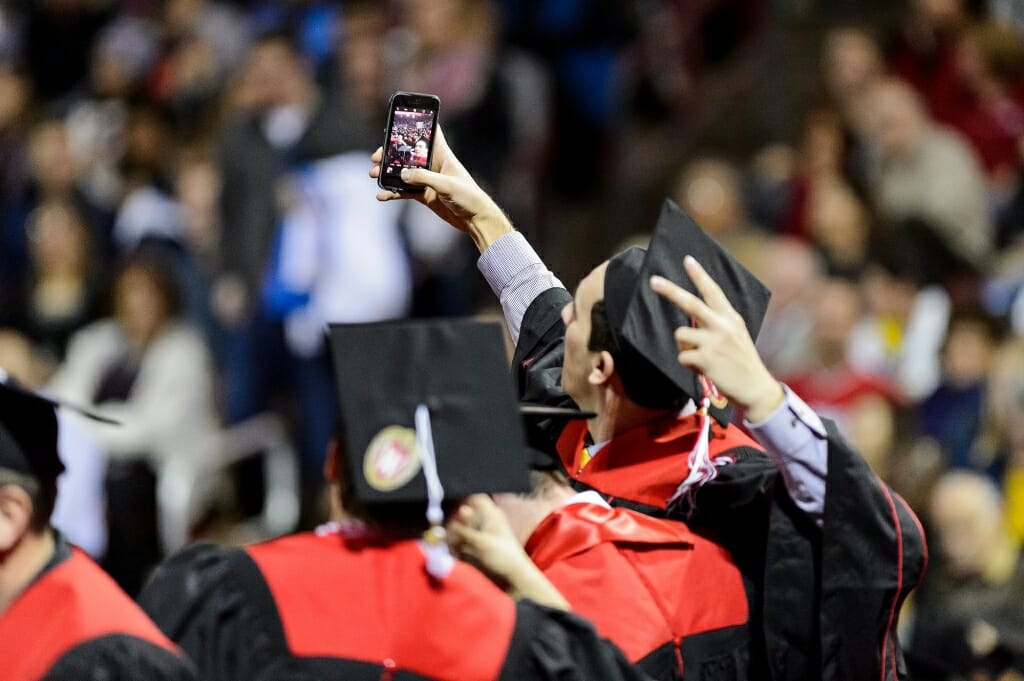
120, 657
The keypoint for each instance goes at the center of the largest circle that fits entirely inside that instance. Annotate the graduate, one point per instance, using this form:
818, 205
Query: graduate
61, 617
427, 417
828, 552
672, 600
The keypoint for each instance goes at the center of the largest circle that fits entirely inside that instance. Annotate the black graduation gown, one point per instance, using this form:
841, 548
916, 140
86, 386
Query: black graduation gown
827, 598
74, 624
315, 606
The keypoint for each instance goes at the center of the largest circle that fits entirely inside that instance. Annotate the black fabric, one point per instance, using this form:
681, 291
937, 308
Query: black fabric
216, 606
550, 645
457, 369
539, 422
133, 539
642, 321
719, 655
117, 380
119, 657
214, 603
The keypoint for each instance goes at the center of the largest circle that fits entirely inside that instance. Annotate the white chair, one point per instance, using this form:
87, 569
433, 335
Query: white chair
180, 480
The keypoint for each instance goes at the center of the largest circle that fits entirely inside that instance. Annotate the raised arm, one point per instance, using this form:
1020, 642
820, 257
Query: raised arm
512, 268
720, 347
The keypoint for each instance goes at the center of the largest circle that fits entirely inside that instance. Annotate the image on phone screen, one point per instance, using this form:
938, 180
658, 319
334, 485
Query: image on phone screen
408, 144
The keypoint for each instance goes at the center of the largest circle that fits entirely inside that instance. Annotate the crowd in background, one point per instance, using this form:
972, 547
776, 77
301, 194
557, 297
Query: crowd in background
184, 203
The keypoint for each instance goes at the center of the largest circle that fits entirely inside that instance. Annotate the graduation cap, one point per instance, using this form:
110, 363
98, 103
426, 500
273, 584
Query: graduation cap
28, 430
642, 322
542, 424
454, 372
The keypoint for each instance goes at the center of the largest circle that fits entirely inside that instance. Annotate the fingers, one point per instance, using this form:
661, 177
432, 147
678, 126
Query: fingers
688, 337
709, 289
377, 156
375, 172
387, 195
683, 299
421, 177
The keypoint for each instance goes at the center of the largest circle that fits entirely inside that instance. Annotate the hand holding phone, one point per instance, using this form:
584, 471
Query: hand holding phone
408, 138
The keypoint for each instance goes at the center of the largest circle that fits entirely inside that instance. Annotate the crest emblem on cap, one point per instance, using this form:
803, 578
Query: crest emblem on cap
392, 459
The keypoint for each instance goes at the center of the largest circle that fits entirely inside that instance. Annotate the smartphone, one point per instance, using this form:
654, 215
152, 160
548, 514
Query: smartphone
408, 138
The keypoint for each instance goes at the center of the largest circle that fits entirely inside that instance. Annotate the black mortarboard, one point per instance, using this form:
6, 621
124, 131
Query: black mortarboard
543, 424
642, 322
459, 370
28, 430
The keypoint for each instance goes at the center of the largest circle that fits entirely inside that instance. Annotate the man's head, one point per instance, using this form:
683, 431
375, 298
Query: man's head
588, 371
967, 511
25, 507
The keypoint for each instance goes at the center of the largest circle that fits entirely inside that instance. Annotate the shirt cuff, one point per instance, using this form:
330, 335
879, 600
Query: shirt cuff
795, 439
517, 276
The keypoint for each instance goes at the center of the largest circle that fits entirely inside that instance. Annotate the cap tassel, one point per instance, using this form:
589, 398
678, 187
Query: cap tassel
435, 540
702, 469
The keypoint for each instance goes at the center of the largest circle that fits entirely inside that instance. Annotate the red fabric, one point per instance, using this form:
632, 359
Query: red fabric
646, 464
72, 603
644, 582
346, 598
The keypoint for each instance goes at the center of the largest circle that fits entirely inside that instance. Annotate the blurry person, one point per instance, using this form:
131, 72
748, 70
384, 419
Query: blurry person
990, 62
1001, 443
901, 332
53, 175
149, 369
860, 403
924, 54
62, 293
929, 172
61, 617
427, 418
709, 189
968, 619
839, 225
954, 413
852, 66
792, 270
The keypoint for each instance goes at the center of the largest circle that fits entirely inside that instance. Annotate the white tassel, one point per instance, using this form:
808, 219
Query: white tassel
702, 469
434, 543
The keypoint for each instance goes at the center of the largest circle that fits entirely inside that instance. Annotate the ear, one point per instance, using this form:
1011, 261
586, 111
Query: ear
15, 516
331, 462
602, 369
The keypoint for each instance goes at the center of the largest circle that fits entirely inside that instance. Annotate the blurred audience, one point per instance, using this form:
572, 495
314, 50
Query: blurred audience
968, 620
149, 369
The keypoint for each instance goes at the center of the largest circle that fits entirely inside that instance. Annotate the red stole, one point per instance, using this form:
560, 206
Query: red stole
646, 464
373, 601
644, 582
70, 604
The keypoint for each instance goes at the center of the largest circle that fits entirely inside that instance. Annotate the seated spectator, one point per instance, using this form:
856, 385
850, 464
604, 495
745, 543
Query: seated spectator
928, 172
62, 291
839, 225
990, 63
906, 318
1002, 436
952, 415
860, 403
151, 371
969, 622
792, 271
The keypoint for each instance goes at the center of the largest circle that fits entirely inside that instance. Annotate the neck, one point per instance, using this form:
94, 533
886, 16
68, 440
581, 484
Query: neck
617, 414
20, 565
539, 507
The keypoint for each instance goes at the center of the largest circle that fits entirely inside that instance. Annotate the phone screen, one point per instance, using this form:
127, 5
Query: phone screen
409, 139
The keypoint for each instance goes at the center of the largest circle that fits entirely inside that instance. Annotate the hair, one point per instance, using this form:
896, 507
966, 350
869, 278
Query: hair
155, 262
43, 496
601, 337
406, 519
541, 482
